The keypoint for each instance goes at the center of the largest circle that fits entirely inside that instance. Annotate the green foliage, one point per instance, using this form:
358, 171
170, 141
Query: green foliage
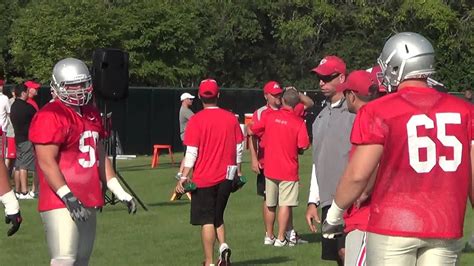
240, 43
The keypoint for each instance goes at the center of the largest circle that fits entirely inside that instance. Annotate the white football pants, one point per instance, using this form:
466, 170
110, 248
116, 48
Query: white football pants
69, 242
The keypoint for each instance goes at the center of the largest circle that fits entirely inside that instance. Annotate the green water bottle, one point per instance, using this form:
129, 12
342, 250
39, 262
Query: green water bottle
189, 186
242, 181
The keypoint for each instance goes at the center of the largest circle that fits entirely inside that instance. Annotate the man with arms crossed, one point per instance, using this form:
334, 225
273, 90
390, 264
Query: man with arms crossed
214, 151
285, 136
66, 135
422, 141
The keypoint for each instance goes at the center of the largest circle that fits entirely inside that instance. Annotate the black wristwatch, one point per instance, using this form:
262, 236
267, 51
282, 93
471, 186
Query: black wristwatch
315, 203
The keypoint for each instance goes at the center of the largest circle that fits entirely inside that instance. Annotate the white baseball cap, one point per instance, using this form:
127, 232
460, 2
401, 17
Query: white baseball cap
185, 96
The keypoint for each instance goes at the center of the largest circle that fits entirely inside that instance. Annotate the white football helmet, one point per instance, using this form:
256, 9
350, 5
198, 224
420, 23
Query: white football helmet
406, 55
72, 82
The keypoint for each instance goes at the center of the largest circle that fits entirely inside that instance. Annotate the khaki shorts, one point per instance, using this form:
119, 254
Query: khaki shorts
281, 193
394, 250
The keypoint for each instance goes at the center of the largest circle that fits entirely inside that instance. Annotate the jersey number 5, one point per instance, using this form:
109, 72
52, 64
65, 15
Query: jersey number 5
86, 148
415, 143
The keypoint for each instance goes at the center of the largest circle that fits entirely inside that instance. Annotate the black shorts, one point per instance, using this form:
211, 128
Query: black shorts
330, 247
208, 204
261, 184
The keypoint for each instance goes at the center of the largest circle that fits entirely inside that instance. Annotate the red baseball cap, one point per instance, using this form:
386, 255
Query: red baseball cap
32, 85
377, 76
272, 87
208, 88
2, 82
358, 81
329, 65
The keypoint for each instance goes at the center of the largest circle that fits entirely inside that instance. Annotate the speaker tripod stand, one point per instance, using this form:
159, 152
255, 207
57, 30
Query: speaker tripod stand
111, 148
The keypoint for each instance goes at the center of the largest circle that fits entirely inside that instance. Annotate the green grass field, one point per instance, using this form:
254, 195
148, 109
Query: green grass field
163, 235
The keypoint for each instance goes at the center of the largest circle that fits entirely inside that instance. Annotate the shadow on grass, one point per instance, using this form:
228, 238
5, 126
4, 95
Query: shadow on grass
468, 248
141, 167
311, 237
262, 261
169, 203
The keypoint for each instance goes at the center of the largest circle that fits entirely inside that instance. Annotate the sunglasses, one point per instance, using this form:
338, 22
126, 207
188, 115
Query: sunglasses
329, 78
346, 92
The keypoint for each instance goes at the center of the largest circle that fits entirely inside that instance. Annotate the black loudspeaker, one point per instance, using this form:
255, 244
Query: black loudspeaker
110, 73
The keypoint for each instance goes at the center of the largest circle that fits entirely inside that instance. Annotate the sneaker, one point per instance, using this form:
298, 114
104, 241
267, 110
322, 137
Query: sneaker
17, 195
269, 240
224, 255
294, 239
27, 196
280, 243
33, 195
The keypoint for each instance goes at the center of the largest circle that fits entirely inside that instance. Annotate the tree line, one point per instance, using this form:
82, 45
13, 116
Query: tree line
241, 43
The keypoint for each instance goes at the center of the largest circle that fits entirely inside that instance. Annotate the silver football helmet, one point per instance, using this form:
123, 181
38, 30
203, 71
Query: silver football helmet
72, 82
406, 55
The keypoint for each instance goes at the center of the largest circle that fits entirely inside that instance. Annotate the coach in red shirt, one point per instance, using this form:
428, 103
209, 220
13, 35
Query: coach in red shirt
285, 136
214, 151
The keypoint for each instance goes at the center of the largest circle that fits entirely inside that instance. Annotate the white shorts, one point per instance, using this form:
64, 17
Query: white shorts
355, 252
69, 242
410, 251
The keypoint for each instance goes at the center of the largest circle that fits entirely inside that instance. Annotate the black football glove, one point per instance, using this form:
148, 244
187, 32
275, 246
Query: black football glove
75, 208
331, 231
15, 220
131, 205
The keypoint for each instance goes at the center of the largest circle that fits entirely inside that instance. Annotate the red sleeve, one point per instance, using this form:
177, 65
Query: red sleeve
472, 122
299, 110
239, 136
192, 134
47, 127
367, 128
303, 138
258, 128
255, 117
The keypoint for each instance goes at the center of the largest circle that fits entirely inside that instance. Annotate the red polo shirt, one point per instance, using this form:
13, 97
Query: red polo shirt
285, 133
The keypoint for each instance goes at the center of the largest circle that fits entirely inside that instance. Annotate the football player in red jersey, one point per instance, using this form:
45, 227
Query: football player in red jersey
66, 134
421, 139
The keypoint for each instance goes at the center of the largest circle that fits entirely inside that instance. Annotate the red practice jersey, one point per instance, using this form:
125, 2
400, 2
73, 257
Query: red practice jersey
216, 133
424, 173
77, 137
284, 134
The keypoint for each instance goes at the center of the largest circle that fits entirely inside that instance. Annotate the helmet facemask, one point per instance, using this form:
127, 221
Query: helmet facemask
77, 94
71, 82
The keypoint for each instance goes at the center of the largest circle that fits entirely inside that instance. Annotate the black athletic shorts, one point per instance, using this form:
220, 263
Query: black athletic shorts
261, 184
330, 247
208, 204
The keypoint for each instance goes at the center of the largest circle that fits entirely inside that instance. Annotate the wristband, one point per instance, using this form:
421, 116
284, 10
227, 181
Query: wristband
62, 191
11, 203
114, 186
335, 214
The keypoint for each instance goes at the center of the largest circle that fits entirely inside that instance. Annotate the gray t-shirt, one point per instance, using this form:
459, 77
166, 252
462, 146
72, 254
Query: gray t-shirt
184, 115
